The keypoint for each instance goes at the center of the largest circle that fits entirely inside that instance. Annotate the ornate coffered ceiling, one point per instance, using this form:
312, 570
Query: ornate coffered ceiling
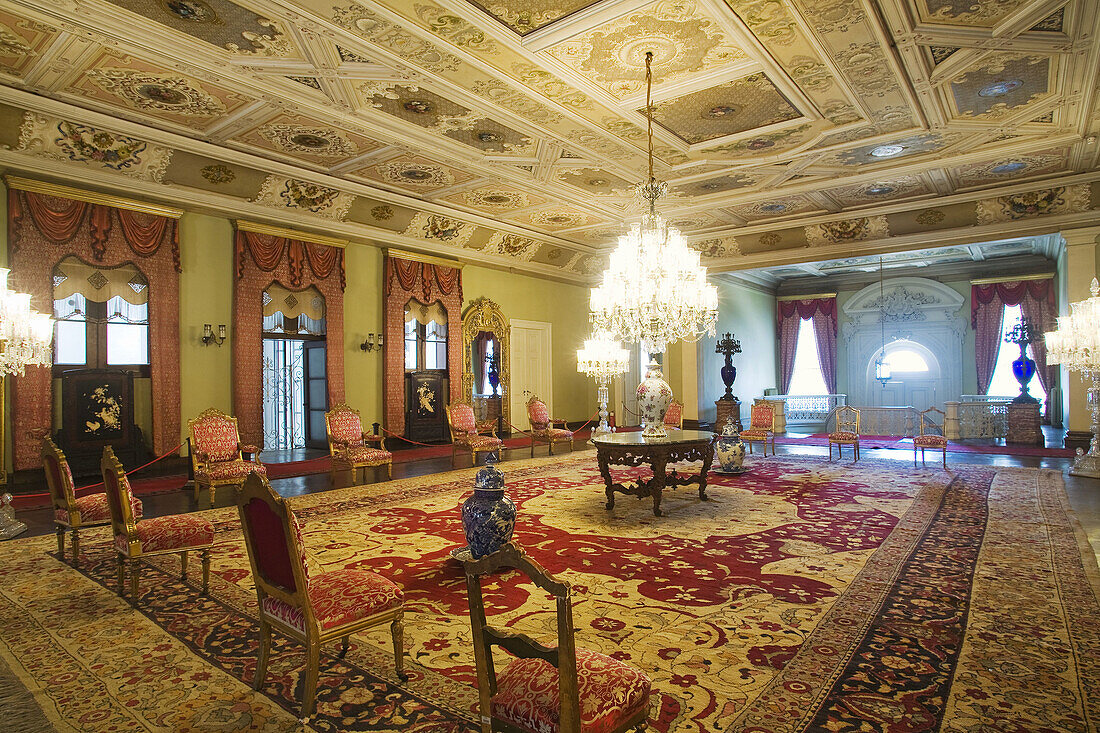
521, 122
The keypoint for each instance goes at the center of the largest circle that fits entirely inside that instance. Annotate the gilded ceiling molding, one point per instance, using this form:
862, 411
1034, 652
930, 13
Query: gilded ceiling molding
403, 254
254, 226
1017, 278
91, 197
811, 296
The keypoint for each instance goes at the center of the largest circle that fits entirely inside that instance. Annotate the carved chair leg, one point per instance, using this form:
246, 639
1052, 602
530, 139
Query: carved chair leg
389, 471
76, 547
264, 651
61, 542
135, 575
183, 565
313, 671
121, 575
205, 557
344, 643
397, 630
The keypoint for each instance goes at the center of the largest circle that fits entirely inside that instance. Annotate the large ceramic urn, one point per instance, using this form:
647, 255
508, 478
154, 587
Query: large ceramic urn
654, 397
728, 448
488, 517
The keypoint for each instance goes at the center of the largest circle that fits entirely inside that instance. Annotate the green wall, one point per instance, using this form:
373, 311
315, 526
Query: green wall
750, 315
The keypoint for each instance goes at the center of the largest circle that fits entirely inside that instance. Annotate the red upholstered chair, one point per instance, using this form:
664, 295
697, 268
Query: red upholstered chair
217, 454
468, 433
761, 427
928, 438
674, 415
846, 433
135, 540
350, 446
70, 512
548, 689
543, 428
315, 610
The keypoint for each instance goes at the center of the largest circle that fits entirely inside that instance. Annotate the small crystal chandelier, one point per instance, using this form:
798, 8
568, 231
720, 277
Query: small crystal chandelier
603, 359
25, 335
654, 291
1076, 346
882, 367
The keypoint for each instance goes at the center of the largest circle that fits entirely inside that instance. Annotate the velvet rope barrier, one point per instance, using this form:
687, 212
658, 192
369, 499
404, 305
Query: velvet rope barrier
93, 486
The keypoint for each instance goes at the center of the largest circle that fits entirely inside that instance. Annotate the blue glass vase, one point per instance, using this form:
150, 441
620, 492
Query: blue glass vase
1023, 369
488, 517
729, 373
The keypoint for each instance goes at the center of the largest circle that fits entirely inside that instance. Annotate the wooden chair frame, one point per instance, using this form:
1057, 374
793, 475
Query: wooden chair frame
845, 416
768, 432
63, 499
123, 525
335, 447
678, 425
200, 460
257, 487
563, 656
922, 414
550, 425
483, 427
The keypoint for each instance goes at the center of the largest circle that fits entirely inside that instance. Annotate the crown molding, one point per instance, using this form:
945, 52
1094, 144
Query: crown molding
807, 296
402, 254
1009, 279
91, 197
252, 226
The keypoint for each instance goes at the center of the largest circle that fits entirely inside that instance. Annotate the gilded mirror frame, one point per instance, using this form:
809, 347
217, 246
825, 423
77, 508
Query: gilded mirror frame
484, 315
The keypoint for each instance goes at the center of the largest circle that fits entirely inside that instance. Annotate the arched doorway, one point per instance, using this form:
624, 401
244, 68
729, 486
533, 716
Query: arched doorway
915, 375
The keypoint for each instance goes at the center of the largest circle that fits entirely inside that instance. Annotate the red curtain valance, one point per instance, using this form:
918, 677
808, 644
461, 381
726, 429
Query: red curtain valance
808, 308
422, 278
268, 251
1010, 293
60, 219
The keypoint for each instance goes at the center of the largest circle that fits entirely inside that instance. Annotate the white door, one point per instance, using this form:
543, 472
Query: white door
530, 359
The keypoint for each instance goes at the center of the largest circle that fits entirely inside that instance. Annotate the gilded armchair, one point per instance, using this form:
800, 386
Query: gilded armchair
674, 415
761, 427
350, 446
217, 454
544, 428
928, 440
846, 433
70, 512
468, 433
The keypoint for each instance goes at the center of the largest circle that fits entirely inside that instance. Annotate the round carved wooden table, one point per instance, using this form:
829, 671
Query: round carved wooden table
631, 449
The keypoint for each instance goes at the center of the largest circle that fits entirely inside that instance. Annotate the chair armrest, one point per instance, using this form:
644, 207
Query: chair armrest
254, 450
201, 456
563, 423
490, 425
372, 438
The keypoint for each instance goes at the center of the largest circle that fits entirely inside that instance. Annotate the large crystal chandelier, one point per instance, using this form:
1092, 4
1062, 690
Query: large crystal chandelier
602, 358
1076, 346
654, 291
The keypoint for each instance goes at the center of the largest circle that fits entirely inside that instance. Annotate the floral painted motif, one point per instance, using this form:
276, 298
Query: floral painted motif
83, 143
218, 173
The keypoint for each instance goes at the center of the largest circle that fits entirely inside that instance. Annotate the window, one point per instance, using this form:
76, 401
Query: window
484, 368
101, 316
1003, 384
425, 336
292, 312
904, 360
806, 377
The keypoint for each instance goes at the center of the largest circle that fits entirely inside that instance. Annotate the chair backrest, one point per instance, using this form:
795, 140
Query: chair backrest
674, 415
460, 418
847, 419
214, 434
927, 419
563, 655
762, 416
344, 426
59, 477
273, 538
119, 497
538, 413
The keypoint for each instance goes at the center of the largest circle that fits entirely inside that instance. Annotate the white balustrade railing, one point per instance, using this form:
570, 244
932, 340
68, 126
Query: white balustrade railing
985, 417
900, 421
808, 409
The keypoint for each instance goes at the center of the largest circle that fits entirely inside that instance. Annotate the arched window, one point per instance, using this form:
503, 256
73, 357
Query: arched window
905, 360
101, 316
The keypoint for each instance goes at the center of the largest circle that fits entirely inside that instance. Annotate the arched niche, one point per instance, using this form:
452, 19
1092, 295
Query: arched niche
483, 316
921, 313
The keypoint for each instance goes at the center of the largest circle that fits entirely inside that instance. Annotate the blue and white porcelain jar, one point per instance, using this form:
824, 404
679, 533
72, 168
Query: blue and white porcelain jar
728, 448
488, 517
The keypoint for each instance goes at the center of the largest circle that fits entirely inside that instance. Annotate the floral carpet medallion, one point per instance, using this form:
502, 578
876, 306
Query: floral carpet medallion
804, 596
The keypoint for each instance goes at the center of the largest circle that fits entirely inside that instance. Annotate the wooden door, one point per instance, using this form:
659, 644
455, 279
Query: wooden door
316, 393
530, 345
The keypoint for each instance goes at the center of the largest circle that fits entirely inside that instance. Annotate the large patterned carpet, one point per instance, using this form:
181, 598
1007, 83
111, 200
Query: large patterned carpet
802, 596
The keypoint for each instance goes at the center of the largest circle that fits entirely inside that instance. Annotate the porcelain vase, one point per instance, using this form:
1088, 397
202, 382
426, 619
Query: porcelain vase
654, 397
488, 517
728, 448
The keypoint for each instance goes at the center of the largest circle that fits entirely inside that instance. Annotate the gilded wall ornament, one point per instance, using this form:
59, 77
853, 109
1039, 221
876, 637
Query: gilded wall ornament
847, 230
769, 239
718, 247
443, 228
318, 141
930, 217
51, 137
282, 192
11, 44
511, 245
1057, 200
218, 173
418, 175
382, 213
157, 92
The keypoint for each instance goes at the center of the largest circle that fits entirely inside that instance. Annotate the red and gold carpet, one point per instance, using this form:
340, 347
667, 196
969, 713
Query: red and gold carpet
804, 596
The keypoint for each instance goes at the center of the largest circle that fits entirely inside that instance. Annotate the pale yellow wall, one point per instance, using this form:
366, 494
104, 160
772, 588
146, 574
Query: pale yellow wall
363, 315
206, 296
563, 305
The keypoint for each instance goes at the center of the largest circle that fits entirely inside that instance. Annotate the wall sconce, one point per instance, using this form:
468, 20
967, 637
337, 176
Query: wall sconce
208, 336
369, 343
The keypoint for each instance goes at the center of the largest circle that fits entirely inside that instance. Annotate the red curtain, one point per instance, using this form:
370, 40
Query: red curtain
823, 313
987, 304
404, 280
261, 260
44, 229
